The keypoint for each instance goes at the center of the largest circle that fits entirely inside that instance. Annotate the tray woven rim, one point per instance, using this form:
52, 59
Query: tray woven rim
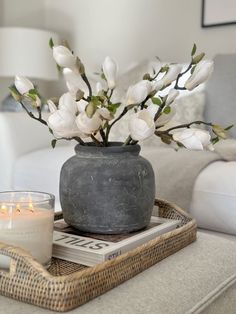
21, 260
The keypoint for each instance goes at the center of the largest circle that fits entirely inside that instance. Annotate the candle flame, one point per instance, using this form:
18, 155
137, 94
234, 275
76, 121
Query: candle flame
31, 207
4, 209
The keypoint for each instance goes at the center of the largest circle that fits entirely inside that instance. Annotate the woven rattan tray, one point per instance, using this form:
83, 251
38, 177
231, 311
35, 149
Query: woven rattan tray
67, 285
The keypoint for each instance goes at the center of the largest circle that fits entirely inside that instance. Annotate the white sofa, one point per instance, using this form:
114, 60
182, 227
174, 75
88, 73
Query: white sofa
28, 162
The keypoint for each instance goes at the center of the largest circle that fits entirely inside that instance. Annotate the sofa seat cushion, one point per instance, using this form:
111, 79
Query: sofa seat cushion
214, 197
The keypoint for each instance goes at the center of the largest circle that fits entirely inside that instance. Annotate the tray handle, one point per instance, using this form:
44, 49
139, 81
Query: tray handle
16, 255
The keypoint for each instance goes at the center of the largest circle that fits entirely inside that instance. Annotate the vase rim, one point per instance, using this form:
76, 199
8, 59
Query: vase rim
113, 148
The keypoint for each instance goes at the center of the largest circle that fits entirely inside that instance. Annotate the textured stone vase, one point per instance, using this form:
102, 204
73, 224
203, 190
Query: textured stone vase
107, 190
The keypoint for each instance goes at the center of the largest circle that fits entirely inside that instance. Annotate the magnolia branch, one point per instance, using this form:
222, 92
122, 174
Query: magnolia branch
96, 141
116, 120
180, 75
76, 138
85, 79
32, 115
186, 125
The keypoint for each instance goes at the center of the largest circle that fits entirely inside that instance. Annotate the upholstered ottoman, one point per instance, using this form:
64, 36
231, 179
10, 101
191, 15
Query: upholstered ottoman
200, 278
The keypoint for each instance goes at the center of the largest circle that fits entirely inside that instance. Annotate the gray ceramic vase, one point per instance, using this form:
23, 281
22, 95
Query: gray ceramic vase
108, 190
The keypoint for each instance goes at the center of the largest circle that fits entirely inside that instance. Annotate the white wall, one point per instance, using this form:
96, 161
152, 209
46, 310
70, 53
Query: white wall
22, 13
128, 30
132, 30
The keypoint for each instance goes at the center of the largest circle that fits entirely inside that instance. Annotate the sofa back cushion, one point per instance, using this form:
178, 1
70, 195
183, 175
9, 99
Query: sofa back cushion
221, 92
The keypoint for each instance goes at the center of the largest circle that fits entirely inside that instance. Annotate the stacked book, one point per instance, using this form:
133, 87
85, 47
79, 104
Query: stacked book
90, 249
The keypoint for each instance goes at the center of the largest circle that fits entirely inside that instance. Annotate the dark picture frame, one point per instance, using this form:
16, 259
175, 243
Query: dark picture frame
209, 20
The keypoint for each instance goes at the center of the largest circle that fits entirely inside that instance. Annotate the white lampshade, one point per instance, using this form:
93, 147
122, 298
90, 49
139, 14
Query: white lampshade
25, 51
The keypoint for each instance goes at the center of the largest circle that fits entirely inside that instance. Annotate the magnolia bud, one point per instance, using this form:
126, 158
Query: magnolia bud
201, 73
172, 74
198, 58
147, 77
23, 85
138, 93
109, 68
64, 57
219, 131
90, 109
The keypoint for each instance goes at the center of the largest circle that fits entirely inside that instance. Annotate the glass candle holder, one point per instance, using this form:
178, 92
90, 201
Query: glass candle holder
26, 221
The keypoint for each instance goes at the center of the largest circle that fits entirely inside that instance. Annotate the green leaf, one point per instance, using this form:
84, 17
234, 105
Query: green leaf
147, 77
31, 96
53, 143
103, 76
58, 68
33, 92
165, 138
51, 43
96, 100
164, 69
198, 58
15, 94
113, 107
156, 101
194, 49
215, 140
167, 110
229, 127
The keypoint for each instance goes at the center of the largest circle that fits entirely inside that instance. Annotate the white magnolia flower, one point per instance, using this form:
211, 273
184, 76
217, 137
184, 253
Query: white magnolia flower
64, 57
62, 123
73, 81
201, 73
52, 107
138, 93
88, 125
157, 85
105, 114
141, 125
194, 138
172, 74
66, 102
23, 85
99, 87
164, 118
173, 93
81, 105
109, 68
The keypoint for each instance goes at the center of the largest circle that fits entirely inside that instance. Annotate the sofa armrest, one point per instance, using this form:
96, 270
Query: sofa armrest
19, 135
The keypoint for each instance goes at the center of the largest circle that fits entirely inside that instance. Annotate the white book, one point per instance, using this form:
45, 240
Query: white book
90, 249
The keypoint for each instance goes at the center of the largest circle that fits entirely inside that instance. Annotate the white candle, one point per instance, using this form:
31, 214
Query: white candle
28, 228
